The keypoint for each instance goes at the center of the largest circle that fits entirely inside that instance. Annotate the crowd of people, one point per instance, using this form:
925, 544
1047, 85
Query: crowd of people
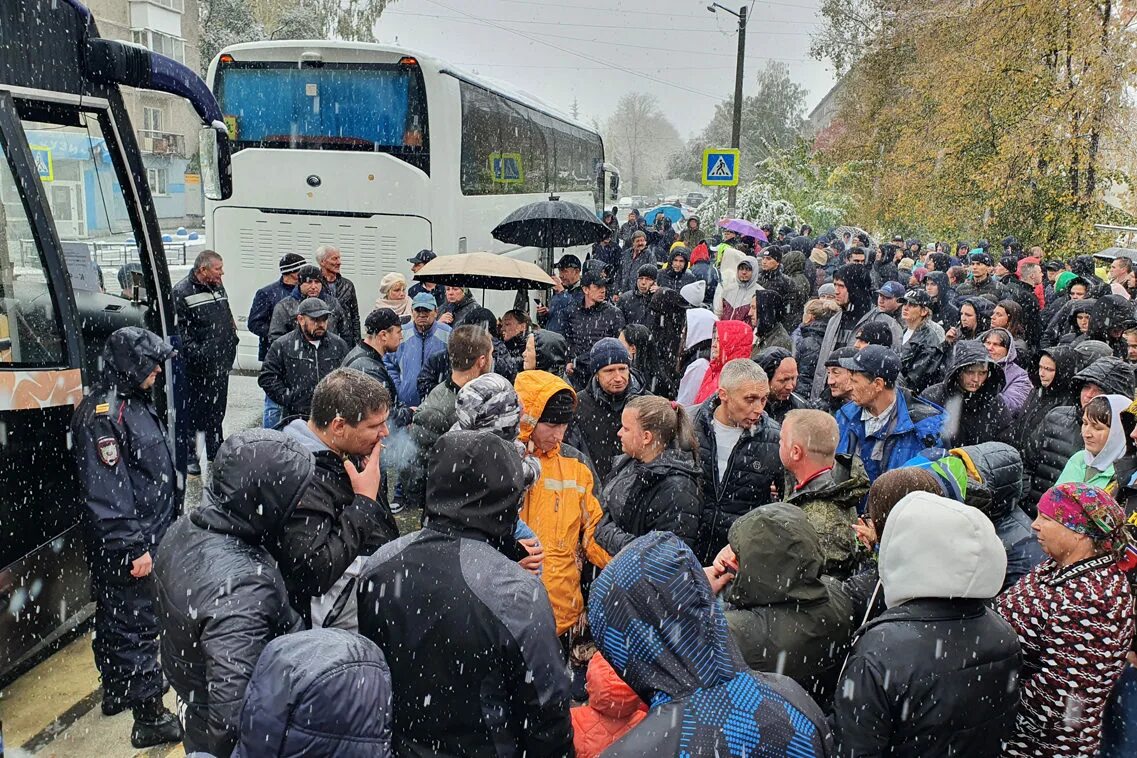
792, 495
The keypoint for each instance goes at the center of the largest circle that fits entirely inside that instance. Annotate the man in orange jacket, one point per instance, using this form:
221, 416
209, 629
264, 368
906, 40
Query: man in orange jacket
562, 507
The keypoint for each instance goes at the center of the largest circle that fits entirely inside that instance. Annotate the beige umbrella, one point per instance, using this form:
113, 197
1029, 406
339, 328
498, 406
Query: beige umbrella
483, 271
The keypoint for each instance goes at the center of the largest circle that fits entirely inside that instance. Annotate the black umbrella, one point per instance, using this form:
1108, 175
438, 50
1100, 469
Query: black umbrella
551, 223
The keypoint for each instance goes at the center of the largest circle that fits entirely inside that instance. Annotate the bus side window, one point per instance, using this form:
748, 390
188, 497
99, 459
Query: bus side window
30, 333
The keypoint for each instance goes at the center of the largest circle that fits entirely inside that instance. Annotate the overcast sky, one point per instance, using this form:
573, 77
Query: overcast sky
596, 50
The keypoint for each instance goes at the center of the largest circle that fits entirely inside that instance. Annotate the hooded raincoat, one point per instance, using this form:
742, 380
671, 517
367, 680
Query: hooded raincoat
654, 618
221, 597
1017, 387
562, 508
735, 340
476, 668
785, 616
972, 417
612, 710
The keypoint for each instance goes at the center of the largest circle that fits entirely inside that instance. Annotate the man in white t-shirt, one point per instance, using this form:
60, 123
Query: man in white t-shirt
738, 450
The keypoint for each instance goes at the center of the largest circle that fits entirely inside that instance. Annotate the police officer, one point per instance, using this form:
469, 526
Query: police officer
126, 471
207, 347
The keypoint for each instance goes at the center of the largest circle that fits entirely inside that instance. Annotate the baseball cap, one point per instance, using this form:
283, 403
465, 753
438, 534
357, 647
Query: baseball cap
424, 301
380, 320
875, 361
567, 261
917, 297
838, 355
983, 258
313, 307
1054, 265
423, 256
893, 290
592, 277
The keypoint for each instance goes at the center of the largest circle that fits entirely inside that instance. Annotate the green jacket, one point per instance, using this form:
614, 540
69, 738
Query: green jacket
785, 616
1076, 470
830, 502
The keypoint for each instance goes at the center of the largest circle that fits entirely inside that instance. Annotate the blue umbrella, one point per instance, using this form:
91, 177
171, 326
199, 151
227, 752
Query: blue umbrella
674, 214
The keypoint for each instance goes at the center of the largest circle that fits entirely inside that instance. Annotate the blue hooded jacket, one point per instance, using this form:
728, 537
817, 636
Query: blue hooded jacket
655, 620
916, 424
323, 692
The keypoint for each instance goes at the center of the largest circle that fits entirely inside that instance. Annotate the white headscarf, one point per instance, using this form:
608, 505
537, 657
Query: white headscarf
1115, 443
700, 326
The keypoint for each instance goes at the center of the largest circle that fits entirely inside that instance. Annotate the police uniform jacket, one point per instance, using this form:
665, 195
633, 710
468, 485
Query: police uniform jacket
124, 455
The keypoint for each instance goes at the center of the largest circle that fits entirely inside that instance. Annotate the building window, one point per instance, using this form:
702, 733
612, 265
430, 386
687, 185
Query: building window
157, 177
152, 119
171, 47
174, 5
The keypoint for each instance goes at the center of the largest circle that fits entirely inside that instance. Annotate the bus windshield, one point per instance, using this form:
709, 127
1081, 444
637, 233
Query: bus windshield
363, 107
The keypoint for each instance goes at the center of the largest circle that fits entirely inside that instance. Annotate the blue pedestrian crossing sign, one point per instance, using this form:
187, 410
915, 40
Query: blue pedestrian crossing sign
720, 167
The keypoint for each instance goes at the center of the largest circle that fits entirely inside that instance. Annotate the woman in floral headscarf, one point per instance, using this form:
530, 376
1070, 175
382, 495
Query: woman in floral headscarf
1074, 618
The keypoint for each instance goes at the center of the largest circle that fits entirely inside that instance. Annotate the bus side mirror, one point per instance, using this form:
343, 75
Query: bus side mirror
216, 166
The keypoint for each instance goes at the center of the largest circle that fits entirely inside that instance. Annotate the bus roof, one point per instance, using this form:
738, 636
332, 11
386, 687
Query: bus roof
442, 67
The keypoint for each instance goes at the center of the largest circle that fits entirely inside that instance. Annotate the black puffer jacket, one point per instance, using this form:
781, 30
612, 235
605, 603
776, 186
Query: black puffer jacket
997, 494
1063, 390
752, 470
221, 597
1023, 294
319, 692
936, 674
469, 635
793, 264
586, 327
597, 421
1061, 430
664, 495
635, 307
973, 417
807, 348
943, 312
1110, 314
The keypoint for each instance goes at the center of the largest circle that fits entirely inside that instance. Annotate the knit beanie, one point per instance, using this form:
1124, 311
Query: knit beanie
308, 273
291, 263
608, 352
560, 408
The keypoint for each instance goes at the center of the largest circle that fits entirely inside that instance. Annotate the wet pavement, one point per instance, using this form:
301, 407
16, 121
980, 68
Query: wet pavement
53, 709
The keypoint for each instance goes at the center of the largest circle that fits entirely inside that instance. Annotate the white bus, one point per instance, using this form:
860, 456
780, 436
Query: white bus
381, 152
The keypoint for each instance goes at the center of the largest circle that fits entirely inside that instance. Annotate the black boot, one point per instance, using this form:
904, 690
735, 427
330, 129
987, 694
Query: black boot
113, 706
154, 725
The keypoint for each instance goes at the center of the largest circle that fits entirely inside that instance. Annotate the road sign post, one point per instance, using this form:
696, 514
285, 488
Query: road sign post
720, 167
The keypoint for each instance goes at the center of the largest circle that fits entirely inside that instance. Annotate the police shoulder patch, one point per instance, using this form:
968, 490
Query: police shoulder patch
108, 451
103, 408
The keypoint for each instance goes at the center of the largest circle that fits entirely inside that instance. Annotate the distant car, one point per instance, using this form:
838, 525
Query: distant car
695, 199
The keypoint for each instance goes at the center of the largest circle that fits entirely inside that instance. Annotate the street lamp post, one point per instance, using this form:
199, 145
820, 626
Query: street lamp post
736, 126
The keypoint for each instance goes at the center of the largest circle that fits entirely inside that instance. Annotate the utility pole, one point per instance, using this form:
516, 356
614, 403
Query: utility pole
736, 126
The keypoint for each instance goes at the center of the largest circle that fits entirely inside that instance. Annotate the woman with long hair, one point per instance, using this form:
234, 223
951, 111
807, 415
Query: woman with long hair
655, 484
1009, 315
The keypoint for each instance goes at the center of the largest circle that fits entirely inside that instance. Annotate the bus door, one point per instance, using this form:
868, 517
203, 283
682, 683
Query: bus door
59, 300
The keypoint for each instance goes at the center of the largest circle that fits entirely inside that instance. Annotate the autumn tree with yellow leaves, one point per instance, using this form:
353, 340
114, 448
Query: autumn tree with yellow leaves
982, 118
